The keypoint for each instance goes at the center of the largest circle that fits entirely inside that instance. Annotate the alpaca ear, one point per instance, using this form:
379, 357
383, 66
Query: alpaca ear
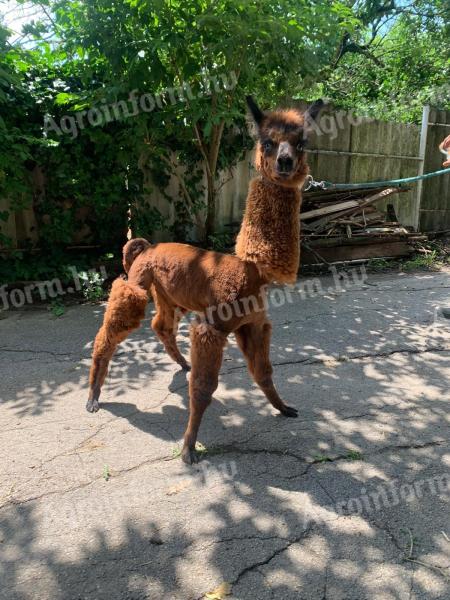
257, 113
313, 111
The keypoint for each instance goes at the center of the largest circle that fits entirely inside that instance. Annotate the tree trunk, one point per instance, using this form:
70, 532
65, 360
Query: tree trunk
212, 157
210, 223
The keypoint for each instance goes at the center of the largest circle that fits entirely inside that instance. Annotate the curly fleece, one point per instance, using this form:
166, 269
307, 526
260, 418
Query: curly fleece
184, 278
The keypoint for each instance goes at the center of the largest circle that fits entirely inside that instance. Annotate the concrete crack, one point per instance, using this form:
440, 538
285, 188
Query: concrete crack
325, 491
273, 555
411, 588
308, 465
28, 351
389, 534
344, 358
14, 502
234, 539
325, 584
232, 449
416, 446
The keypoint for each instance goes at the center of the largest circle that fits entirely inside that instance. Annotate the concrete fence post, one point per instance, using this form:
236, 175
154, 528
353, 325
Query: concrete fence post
422, 150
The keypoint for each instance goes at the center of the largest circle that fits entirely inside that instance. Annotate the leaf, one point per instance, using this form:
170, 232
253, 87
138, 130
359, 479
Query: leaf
91, 445
57, 308
220, 592
207, 129
58, 311
63, 98
179, 487
201, 448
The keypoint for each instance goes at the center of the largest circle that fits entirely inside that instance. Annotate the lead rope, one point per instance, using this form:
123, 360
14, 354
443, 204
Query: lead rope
328, 185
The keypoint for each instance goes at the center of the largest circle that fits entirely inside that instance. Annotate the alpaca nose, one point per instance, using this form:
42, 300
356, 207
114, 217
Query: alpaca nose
285, 163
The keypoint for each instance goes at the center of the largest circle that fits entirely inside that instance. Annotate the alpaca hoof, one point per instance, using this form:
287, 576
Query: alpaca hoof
288, 411
189, 456
92, 406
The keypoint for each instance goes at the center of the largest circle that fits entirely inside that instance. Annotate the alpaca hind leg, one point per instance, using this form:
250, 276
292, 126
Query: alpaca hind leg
207, 346
165, 325
125, 310
254, 341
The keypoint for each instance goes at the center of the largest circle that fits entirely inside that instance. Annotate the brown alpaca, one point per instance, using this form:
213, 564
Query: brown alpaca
227, 292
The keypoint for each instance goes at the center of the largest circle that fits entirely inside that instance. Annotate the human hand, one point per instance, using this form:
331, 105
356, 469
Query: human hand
444, 147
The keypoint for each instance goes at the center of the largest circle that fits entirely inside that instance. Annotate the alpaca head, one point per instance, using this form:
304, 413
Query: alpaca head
281, 140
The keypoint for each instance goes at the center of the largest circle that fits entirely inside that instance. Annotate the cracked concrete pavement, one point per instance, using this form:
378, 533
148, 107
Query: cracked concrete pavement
348, 502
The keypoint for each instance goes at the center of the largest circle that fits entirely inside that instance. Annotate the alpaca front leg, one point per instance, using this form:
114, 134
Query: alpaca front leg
207, 344
254, 341
125, 310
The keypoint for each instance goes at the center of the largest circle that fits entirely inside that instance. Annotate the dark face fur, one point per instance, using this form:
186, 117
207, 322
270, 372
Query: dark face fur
282, 136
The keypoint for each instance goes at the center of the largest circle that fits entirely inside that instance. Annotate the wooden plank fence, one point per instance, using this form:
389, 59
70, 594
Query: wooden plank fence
356, 150
345, 149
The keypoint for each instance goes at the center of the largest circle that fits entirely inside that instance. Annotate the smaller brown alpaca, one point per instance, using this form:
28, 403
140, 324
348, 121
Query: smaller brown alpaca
227, 292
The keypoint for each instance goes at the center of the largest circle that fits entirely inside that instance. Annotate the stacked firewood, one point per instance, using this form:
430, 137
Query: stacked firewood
346, 225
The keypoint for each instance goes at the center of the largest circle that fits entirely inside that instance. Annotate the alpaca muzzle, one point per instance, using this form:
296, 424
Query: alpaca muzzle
286, 160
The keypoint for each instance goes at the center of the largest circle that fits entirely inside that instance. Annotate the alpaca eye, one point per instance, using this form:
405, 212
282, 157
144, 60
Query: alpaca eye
301, 146
267, 145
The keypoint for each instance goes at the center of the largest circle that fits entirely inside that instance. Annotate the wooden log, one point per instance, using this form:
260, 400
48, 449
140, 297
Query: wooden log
322, 224
361, 240
328, 209
347, 253
338, 195
360, 220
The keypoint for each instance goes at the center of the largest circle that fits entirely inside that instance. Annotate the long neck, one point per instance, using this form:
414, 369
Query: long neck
270, 231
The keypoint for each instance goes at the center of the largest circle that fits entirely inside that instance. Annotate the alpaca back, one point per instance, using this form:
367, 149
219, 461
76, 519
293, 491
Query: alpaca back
131, 250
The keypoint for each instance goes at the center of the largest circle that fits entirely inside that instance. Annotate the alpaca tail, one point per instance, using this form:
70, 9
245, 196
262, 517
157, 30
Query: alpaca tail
132, 249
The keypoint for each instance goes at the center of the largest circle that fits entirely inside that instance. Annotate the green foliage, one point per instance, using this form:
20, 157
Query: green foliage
176, 452
220, 241
92, 54
322, 458
396, 61
27, 266
106, 473
91, 283
197, 59
77, 186
430, 260
354, 455
57, 307
378, 264
17, 136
